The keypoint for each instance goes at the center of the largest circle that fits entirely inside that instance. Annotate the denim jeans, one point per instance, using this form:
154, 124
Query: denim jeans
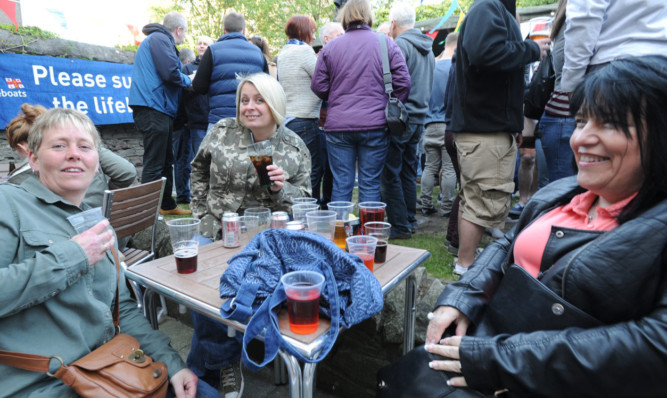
156, 129
182, 158
196, 137
352, 150
555, 133
399, 180
211, 348
324, 196
309, 132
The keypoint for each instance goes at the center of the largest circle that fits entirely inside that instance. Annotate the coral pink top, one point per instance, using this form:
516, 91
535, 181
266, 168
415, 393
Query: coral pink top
531, 242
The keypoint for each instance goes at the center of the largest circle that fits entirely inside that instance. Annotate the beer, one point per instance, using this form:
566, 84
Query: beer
369, 260
260, 163
371, 214
340, 234
186, 260
303, 308
381, 251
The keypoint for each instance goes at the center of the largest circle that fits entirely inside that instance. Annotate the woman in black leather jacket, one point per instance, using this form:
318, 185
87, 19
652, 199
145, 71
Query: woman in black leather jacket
596, 243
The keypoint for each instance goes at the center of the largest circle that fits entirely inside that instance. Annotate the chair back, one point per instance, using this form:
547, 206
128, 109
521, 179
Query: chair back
133, 209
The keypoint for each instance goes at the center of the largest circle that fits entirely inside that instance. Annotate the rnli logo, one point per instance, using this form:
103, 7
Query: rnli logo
14, 88
13, 83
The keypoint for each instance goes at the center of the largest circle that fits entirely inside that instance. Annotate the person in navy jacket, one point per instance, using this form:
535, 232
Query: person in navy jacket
155, 93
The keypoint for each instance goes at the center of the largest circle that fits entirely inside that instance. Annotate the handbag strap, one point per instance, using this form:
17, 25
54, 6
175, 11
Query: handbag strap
386, 72
40, 363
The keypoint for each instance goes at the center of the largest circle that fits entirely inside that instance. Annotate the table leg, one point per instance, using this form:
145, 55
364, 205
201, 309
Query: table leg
294, 370
309, 380
410, 312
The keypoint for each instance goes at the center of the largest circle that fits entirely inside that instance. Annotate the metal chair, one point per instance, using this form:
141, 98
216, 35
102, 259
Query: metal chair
131, 210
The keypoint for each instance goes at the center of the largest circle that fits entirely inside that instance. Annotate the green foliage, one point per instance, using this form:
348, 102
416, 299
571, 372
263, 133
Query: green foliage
382, 8
31, 31
127, 47
265, 18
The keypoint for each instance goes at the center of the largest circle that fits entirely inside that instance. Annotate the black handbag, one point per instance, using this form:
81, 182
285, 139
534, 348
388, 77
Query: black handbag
395, 111
410, 377
540, 88
532, 306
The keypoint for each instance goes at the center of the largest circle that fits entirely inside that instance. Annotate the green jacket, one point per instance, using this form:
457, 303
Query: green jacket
224, 179
52, 302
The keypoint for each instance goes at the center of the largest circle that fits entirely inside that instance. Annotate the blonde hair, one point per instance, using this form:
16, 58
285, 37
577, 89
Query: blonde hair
270, 90
356, 11
59, 117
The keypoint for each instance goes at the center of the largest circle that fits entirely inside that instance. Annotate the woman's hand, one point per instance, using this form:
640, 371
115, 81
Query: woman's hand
448, 348
184, 383
277, 175
95, 241
442, 318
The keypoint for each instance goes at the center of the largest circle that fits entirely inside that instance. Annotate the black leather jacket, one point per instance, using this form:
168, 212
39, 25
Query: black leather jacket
619, 277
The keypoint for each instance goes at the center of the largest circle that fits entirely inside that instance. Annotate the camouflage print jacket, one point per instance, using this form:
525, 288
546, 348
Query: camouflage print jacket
224, 179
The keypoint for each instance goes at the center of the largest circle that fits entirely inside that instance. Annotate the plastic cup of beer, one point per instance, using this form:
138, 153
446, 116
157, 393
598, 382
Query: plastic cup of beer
381, 231
249, 227
343, 210
184, 234
299, 211
322, 222
304, 199
540, 28
263, 215
371, 211
364, 247
261, 156
303, 290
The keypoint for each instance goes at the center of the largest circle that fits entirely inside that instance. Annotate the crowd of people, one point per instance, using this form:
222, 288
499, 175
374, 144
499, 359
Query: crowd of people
595, 236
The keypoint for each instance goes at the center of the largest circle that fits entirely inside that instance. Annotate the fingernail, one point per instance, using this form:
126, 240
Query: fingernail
449, 383
430, 365
427, 346
430, 316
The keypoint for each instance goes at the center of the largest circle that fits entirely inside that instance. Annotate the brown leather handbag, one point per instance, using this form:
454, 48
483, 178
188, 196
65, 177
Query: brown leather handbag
118, 368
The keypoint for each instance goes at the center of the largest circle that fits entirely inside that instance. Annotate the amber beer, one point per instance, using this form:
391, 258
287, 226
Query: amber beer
340, 234
260, 163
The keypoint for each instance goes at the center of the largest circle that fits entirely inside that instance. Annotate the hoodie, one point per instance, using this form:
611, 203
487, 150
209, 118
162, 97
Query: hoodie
491, 57
417, 49
156, 75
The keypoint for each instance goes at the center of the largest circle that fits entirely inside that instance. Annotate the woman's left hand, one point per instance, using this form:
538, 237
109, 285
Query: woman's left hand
277, 176
184, 383
449, 348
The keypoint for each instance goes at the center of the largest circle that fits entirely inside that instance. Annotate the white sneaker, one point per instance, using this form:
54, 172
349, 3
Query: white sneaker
231, 381
458, 270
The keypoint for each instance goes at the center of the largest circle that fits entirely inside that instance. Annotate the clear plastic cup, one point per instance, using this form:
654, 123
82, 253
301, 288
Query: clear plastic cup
364, 247
371, 211
263, 214
184, 234
322, 222
381, 231
303, 289
304, 199
299, 211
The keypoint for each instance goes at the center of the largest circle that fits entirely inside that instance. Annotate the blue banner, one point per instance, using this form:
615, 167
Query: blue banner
98, 89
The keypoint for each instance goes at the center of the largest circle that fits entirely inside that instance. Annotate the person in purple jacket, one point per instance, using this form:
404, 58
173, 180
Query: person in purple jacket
349, 75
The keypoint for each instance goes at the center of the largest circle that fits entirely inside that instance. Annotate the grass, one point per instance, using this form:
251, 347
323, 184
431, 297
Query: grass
439, 264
